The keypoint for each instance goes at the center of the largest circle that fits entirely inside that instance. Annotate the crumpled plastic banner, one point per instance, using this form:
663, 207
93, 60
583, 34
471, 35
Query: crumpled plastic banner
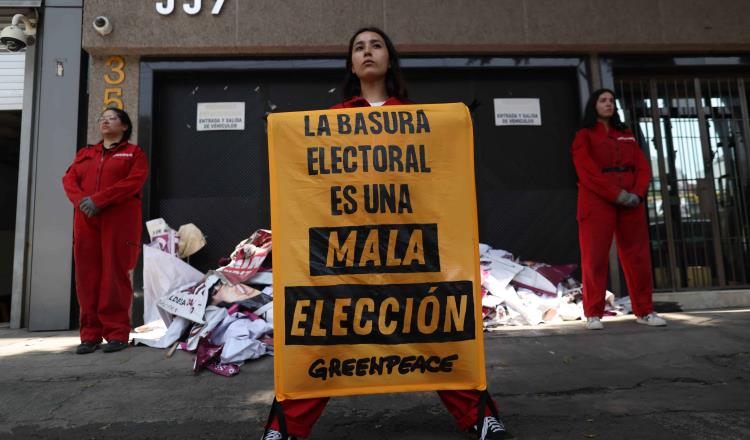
247, 257
190, 301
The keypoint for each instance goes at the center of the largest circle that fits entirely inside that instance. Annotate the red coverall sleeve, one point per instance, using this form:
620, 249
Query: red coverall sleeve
642, 174
71, 182
589, 173
127, 187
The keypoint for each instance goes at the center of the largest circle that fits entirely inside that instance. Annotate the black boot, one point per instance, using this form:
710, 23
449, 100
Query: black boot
86, 347
112, 346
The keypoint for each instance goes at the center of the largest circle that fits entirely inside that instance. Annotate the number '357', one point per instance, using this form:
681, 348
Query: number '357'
193, 7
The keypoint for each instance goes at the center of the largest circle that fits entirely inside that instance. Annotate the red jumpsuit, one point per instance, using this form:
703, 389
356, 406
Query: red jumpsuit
301, 414
106, 246
608, 162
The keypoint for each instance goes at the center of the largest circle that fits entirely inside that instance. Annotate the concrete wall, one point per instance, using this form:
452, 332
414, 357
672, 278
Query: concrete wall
300, 27
101, 67
703, 300
264, 28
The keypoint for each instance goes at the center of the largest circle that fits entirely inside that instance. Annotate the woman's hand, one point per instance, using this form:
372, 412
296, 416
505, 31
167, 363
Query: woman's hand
88, 207
628, 200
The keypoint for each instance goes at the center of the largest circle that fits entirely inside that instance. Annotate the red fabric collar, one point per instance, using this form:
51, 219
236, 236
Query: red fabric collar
358, 101
613, 132
99, 147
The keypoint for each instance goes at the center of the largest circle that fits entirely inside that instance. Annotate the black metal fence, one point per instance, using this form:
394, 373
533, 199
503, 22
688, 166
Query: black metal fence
694, 131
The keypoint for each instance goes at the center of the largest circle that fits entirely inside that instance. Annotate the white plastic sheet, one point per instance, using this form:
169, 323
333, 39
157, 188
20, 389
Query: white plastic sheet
213, 317
239, 335
176, 328
163, 273
190, 301
530, 278
508, 295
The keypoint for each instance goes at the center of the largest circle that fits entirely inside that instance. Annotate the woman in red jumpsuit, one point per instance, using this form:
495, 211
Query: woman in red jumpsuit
613, 178
104, 184
373, 78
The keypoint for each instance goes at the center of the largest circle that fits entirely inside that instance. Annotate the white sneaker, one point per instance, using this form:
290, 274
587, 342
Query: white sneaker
492, 429
651, 319
272, 434
594, 323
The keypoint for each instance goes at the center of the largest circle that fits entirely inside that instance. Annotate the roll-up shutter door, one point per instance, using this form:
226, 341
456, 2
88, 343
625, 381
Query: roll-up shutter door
11, 80
12, 63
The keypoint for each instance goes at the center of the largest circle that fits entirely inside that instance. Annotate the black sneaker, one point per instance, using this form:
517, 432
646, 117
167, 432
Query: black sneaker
272, 434
86, 347
492, 429
112, 346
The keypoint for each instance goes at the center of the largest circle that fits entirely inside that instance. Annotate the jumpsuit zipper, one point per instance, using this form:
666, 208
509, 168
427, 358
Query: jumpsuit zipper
101, 165
99, 169
617, 157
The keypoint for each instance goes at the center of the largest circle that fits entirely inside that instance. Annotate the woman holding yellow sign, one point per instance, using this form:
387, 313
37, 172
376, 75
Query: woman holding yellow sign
373, 78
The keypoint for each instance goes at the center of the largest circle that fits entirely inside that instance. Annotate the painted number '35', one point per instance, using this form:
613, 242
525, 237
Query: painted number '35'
193, 7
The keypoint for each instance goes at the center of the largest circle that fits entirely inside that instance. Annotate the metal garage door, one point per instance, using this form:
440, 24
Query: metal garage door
218, 179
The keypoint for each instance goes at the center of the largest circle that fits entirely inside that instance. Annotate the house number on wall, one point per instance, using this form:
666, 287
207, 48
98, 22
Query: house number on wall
193, 7
114, 78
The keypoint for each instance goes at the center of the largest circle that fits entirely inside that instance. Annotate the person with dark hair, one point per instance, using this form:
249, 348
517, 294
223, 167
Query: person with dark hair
372, 72
104, 184
613, 178
373, 78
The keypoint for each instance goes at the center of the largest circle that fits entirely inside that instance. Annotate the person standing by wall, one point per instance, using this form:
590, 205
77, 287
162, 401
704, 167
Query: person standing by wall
373, 78
104, 184
613, 178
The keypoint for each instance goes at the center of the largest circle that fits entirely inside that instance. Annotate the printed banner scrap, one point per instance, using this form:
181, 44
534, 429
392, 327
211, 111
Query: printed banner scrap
247, 257
376, 274
190, 301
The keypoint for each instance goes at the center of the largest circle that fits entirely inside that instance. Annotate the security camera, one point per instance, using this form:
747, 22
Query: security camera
103, 25
16, 39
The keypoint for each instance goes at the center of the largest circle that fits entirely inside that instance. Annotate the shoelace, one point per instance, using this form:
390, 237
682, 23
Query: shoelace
273, 435
491, 424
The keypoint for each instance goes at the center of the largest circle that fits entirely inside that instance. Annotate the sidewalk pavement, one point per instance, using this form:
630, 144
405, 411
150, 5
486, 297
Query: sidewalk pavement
689, 380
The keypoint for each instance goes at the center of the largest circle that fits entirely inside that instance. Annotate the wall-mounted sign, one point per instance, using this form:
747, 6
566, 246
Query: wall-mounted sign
517, 111
220, 116
192, 7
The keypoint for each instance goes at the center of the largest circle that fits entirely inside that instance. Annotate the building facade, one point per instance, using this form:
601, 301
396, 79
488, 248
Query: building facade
679, 67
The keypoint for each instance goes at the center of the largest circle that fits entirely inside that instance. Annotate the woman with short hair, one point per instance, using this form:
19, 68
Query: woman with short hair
104, 184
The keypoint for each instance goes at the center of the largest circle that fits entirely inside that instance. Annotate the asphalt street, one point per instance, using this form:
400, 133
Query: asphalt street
690, 380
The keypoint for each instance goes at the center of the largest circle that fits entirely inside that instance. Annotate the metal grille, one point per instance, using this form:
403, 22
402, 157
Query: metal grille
695, 130
218, 180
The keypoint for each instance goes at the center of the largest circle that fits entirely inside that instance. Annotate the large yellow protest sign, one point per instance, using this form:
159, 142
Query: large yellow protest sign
375, 251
